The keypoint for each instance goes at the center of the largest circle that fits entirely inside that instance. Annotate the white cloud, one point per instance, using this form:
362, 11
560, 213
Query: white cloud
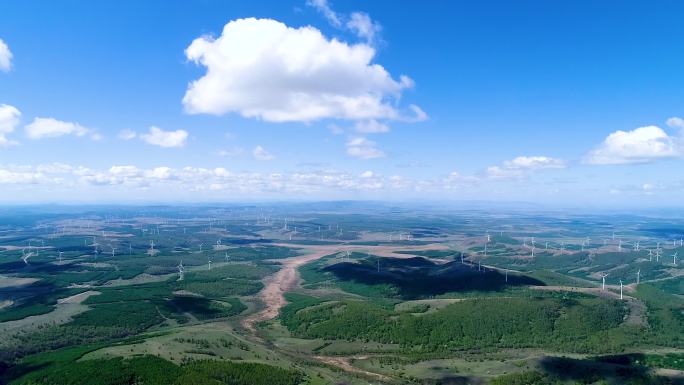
641, 145
127, 134
261, 68
5, 57
324, 8
260, 153
9, 120
362, 148
161, 138
676, 122
42, 128
522, 165
534, 163
359, 23
362, 25
371, 127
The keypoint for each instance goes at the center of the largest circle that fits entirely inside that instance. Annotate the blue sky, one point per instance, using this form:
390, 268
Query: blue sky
556, 102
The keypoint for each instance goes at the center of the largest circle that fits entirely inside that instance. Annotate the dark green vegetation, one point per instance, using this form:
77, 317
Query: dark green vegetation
578, 325
151, 370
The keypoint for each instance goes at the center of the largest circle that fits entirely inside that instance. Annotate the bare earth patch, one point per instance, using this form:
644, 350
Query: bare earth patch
6, 281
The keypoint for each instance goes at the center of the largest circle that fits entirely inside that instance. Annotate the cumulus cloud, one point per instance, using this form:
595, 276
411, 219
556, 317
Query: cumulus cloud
5, 57
260, 153
362, 148
158, 137
42, 128
641, 145
676, 122
261, 68
9, 120
522, 165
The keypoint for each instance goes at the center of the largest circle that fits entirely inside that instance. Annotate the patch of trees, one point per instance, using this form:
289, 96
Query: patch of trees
579, 325
150, 370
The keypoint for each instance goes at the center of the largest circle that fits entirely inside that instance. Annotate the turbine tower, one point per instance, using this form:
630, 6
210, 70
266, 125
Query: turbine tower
620, 289
603, 281
638, 275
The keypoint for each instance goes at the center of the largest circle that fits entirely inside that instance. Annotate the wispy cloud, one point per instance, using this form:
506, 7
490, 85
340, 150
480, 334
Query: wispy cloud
362, 148
260, 153
42, 128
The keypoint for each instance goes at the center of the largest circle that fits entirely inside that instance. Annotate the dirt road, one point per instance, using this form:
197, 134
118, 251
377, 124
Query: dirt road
272, 295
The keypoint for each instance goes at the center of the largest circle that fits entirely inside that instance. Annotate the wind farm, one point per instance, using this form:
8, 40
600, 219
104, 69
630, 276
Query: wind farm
338, 301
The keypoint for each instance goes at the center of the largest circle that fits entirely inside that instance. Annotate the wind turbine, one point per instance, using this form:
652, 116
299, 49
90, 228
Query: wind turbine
546, 246
209, 263
650, 255
620, 289
620, 245
636, 246
562, 248
60, 257
638, 275
113, 251
200, 248
603, 281
674, 258
227, 257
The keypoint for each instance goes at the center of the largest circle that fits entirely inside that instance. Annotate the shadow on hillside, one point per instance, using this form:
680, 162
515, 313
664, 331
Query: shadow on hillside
618, 369
420, 277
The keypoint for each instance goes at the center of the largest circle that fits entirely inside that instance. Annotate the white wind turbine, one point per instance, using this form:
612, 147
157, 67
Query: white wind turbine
638, 276
636, 246
620, 289
674, 258
603, 281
